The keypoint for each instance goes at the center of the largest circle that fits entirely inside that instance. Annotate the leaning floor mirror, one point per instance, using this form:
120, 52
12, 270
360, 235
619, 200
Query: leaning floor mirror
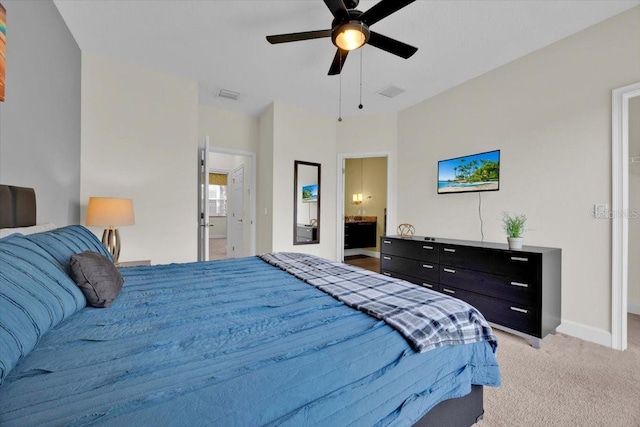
306, 203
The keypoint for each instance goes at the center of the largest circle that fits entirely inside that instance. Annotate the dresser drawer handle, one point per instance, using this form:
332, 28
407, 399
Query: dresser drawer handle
522, 285
427, 266
519, 310
518, 258
449, 291
449, 250
428, 247
386, 274
449, 270
428, 285
386, 257
387, 242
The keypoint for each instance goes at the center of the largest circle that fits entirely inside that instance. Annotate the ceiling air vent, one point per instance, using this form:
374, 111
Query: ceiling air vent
229, 94
391, 91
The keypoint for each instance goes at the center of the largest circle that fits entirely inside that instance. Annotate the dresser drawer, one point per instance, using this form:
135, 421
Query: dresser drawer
517, 291
515, 264
427, 284
414, 249
515, 316
421, 269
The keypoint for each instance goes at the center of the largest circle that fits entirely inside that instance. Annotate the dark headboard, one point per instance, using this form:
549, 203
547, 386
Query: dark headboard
17, 206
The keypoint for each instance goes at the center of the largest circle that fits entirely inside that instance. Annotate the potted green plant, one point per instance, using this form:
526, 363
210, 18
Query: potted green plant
514, 227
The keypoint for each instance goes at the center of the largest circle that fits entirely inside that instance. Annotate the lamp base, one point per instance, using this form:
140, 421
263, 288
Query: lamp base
111, 240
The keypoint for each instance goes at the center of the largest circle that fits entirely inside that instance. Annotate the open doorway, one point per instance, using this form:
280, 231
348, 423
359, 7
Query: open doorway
363, 208
624, 217
231, 204
218, 208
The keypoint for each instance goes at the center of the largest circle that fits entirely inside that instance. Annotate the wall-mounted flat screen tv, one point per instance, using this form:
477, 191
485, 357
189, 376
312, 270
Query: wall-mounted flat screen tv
477, 172
310, 193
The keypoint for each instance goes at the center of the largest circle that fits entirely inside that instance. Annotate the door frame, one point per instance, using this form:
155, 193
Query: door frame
233, 201
620, 210
252, 190
391, 214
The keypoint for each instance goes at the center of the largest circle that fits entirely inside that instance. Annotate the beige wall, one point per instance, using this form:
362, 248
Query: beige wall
550, 114
140, 141
40, 117
302, 135
264, 214
227, 129
634, 207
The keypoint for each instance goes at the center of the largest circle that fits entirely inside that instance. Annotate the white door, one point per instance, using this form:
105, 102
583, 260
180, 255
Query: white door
236, 239
203, 234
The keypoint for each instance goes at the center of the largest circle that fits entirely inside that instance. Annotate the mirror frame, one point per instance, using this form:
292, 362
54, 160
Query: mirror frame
295, 202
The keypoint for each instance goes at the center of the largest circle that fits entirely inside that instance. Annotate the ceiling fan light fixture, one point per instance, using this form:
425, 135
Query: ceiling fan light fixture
351, 35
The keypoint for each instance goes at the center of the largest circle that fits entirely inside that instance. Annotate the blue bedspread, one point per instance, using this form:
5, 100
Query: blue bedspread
232, 343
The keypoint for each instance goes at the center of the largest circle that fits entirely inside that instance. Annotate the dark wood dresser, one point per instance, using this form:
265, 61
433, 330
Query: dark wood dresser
518, 291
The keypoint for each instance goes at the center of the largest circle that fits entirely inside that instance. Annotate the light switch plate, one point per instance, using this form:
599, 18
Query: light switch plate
600, 211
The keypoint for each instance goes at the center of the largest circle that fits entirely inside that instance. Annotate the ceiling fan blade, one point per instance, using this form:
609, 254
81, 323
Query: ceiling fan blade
294, 37
382, 9
390, 45
338, 9
338, 62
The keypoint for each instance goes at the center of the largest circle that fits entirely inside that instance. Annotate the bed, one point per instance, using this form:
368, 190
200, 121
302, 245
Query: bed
246, 342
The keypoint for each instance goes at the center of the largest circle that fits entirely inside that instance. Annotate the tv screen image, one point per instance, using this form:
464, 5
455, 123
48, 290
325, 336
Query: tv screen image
477, 172
310, 193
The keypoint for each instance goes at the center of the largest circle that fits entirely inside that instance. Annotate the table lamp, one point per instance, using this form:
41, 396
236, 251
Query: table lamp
111, 213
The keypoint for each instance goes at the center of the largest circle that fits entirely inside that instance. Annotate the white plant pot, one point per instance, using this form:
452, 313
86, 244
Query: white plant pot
515, 242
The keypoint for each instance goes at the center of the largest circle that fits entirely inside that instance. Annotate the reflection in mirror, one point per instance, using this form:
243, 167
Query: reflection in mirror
306, 203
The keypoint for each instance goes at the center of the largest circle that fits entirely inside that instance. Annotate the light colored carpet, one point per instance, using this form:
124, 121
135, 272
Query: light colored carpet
568, 382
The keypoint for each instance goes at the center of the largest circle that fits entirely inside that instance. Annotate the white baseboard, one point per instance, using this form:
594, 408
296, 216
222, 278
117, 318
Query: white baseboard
352, 252
633, 307
586, 333
373, 254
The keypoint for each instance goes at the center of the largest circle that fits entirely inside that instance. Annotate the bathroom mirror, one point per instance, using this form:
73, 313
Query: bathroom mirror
306, 203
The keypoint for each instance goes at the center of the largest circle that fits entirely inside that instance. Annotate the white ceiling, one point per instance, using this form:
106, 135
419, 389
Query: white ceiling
222, 45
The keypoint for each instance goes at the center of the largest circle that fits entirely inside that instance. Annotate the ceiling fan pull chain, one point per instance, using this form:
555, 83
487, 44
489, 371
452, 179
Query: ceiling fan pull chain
360, 105
340, 92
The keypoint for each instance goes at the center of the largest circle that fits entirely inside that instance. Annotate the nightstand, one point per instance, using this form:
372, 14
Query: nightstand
134, 263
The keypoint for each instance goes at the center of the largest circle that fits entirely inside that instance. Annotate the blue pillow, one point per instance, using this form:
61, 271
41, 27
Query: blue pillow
63, 242
35, 295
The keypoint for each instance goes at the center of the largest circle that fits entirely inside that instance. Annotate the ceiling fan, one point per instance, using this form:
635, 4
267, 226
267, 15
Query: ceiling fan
350, 30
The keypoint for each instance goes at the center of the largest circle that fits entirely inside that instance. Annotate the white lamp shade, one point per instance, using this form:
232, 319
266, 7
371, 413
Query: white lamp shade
110, 212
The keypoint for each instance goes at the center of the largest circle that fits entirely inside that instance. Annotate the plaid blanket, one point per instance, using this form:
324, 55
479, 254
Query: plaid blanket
427, 319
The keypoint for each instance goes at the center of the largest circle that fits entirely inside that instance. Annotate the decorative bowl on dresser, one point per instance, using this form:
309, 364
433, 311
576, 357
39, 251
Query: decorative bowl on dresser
518, 291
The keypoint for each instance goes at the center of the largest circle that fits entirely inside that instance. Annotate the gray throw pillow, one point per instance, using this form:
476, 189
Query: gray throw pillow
97, 277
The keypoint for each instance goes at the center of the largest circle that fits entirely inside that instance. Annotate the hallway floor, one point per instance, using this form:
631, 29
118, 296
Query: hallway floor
366, 262
217, 249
